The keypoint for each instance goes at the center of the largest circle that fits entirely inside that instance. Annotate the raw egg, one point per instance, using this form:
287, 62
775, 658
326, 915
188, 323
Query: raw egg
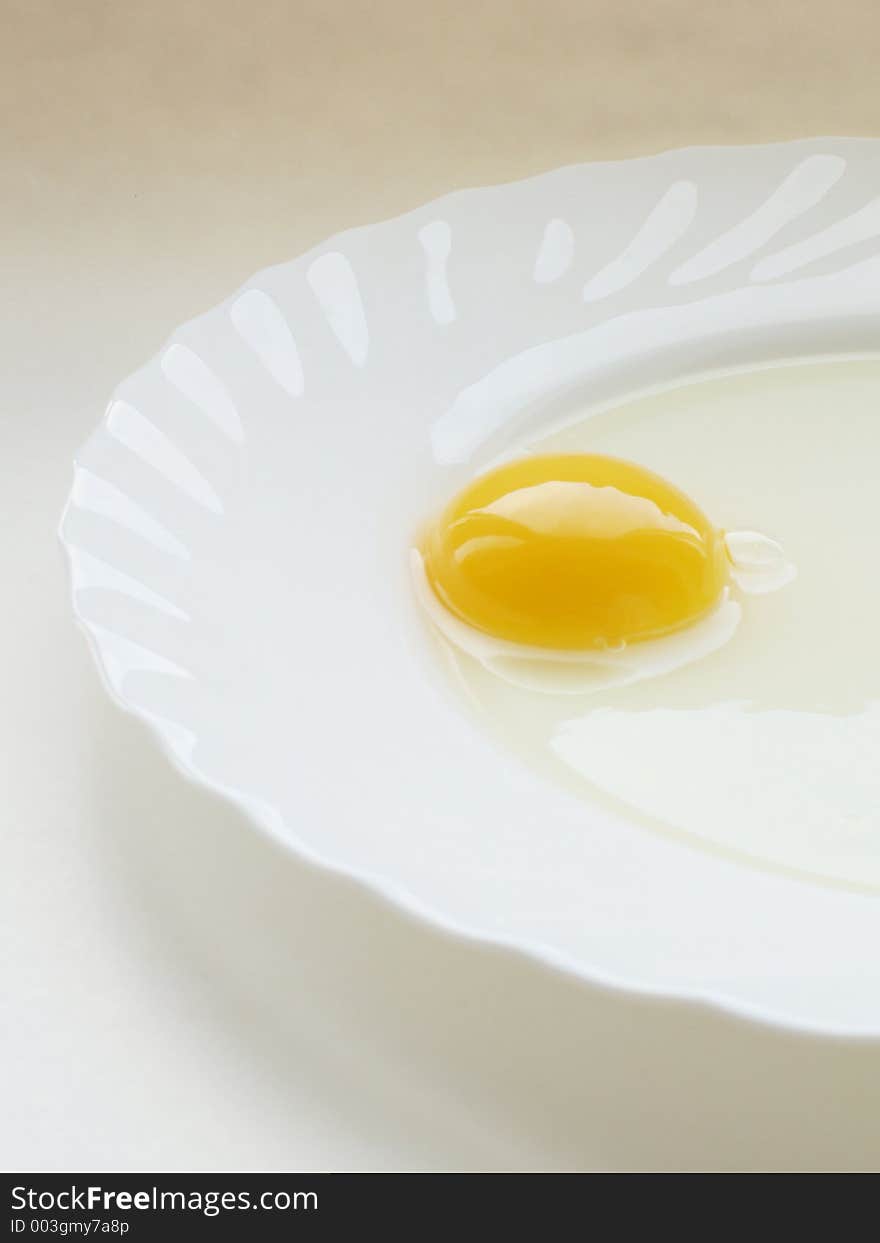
560, 560
575, 551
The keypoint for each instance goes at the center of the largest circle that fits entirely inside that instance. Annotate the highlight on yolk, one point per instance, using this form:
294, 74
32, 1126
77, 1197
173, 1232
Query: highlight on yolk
574, 551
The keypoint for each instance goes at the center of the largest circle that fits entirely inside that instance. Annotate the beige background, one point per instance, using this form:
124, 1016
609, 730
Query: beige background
177, 992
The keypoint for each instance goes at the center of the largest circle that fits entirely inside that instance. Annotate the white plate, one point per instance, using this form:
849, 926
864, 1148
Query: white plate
239, 524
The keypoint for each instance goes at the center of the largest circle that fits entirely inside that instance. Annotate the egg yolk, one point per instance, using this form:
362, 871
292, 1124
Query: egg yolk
574, 551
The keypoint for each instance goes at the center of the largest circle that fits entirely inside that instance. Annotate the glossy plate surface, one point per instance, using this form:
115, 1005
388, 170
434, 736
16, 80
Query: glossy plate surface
239, 525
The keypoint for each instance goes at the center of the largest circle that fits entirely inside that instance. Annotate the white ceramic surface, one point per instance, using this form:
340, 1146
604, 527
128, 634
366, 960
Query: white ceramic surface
239, 525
